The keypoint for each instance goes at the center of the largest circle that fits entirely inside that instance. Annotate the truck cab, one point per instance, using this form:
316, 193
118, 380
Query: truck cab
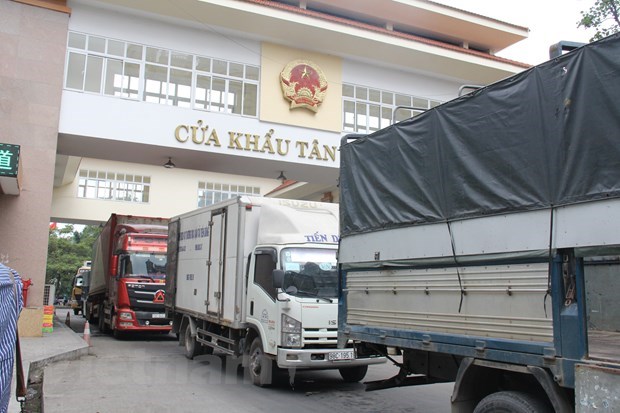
139, 269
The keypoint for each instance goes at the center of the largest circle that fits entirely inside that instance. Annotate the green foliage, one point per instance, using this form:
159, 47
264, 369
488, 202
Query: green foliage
66, 252
604, 16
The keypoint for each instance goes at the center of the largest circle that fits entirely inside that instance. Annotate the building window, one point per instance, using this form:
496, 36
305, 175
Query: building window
367, 110
211, 193
113, 186
167, 77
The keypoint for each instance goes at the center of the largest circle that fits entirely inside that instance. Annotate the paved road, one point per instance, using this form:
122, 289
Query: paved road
151, 374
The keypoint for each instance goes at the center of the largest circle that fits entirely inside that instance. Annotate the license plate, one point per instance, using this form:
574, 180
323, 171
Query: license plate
341, 355
159, 315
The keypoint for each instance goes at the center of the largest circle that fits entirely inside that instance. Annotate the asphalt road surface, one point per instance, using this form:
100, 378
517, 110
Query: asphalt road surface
150, 373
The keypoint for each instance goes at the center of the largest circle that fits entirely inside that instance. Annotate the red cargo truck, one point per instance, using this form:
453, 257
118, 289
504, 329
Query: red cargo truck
125, 291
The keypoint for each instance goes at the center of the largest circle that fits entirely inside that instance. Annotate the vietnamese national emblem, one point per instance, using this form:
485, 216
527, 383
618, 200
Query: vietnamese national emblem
304, 84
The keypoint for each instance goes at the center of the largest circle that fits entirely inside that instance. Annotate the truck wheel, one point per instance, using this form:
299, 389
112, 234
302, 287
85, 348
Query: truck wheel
353, 374
192, 347
260, 366
512, 402
103, 328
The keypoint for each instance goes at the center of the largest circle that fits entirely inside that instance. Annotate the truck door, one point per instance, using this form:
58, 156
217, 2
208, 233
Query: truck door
216, 264
262, 305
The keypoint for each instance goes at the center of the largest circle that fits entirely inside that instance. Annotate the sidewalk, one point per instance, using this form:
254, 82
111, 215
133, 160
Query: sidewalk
37, 352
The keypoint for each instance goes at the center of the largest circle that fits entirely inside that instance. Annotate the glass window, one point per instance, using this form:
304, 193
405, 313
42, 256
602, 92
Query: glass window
180, 87
236, 70
116, 48
77, 41
220, 67
374, 95
361, 118
96, 44
387, 98
104, 185
402, 114
217, 94
402, 100
361, 93
250, 97
349, 116
131, 80
216, 192
348, 91
94, 74
420, 103
128, 70
373, 109
182, 60
203, 63
251, 72
113, 77
134, 51
155, 84
374, 116
155, 55
386, 117
75, 71
235, 94
263, 269
203, 88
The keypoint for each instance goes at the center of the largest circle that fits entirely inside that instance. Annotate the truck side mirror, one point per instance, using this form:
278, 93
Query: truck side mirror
278, 278
114, 266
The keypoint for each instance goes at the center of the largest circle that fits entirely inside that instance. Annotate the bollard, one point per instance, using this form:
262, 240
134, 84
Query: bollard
68, 319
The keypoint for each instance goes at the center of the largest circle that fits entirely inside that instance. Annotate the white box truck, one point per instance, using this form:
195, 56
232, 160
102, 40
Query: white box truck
257, 277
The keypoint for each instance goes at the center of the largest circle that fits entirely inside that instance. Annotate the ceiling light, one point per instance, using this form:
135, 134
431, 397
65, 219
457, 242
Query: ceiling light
169, 164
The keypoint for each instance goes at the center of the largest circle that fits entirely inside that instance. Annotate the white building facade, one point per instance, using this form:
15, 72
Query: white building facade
203, 85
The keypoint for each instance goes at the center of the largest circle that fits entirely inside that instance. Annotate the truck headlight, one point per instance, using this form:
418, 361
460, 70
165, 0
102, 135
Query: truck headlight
291, 332
125, 315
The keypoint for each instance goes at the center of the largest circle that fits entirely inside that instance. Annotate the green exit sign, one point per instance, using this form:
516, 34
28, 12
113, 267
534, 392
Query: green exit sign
9, 159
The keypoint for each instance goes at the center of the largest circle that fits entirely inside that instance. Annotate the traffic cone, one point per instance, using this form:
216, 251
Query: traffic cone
87, 333
68, 319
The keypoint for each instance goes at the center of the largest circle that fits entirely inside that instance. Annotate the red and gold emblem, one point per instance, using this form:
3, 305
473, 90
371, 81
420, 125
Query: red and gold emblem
304, 84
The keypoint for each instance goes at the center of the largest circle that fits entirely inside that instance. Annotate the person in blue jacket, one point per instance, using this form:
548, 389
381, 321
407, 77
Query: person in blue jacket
11, 303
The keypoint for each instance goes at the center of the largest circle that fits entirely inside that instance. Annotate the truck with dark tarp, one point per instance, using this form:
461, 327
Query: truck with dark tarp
480, 239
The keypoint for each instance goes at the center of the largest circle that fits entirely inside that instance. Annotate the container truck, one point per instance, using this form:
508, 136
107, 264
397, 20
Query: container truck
77, 286
126, 286
480, 239
255, 278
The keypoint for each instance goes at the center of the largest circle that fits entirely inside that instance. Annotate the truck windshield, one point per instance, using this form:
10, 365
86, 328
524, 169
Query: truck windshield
146, 265
310, 272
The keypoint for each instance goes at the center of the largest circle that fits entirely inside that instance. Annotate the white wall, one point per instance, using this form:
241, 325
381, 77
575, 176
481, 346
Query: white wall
172, 192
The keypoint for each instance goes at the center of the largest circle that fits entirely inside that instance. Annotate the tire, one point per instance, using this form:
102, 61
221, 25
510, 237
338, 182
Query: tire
260, 366
191, 346
512, 402
103, 328
90, 314
119, 335
353, 374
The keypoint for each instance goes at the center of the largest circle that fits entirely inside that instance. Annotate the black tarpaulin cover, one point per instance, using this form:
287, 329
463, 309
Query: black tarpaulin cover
549, 136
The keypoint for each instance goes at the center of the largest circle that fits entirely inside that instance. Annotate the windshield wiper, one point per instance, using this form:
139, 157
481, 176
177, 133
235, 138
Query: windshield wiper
140, 276
309, 294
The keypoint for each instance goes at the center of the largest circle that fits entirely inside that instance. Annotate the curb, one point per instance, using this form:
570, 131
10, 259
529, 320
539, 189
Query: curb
36, 373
